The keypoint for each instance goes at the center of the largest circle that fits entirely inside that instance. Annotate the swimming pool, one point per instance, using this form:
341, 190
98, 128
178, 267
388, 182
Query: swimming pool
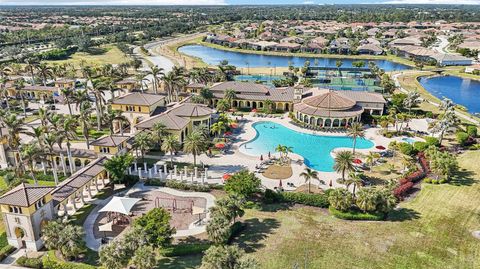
315, 149
409, 140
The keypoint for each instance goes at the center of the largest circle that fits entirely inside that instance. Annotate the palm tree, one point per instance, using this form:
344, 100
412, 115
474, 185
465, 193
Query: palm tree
411, 100
159, 130
30, 154
49, 140
114, 116
45, 72
31, 65
84, 121
230, 95
81, 98
447, 120
143, 142
15, 126
68, 96
195, 143
222, 105
367, 199
109, 86
19, 85
68, 132
173, 81
268, 104
309, 174
218, 127
343, 162
371, 157
170, 144
99, 102
356, 131
354, 179
156, 72
206, 94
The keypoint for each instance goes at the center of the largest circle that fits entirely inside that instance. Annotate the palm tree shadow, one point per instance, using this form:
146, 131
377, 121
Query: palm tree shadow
256, 231
463, 178
402, 214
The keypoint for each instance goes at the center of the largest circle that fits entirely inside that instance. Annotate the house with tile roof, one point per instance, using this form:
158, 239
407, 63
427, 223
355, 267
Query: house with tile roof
111, 145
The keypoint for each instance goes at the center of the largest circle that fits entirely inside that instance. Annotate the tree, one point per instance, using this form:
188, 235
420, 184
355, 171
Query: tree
229, 96
85, 122
49, 140
269, 105
340, 199
156, 225
159, 130
170, 144
309, 174
30, 154
227, 257
218, 230
118, 252
15, 126
45, 72
447, 120
144, 258
413, 97
143, 142
118, 165
356, 131
222, 105
229, 207
66, 238
354, 179
68, 131
243, 183
194, 144
367, 200
218, 128
68, 96
343, 162
371, 158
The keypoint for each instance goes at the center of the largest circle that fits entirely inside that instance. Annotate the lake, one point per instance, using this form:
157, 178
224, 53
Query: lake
213, 56
461, 91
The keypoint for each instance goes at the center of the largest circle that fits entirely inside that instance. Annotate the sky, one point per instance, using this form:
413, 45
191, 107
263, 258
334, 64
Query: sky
228, 2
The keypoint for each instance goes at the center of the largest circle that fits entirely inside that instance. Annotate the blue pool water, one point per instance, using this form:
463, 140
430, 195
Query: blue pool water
214, 56
409, 140
461, 91
315, 149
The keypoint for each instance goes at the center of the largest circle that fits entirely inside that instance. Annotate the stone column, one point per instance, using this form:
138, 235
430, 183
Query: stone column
145, 166
150, 172
135, 166
89, 191
72, 200
65, 209
130, 170
185, 170
175, 170
206, 173
139, 170
155, 169
331, 123
82, 196
196, 172
96, 185
165, 169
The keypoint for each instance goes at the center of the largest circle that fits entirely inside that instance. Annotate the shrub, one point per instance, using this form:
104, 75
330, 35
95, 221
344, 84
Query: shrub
184, 249
356, 215
434, 181
5, 251
250, 205
270, 197
427, 180
442, 181
472, 131
402, 190
179, 185
243, 183
406, 149
420, 146
462, 138
30, 262
311, 199
429, 114
432, 141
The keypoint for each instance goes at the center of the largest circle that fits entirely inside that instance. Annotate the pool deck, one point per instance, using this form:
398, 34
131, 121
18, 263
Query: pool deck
236, 160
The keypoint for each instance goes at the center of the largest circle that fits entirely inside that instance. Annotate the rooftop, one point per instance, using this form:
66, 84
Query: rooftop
25, 195
137, 98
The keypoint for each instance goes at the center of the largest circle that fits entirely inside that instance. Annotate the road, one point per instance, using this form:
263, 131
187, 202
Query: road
441, 47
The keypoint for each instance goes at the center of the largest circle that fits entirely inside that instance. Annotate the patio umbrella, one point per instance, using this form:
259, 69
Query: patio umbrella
380, 147
357, 161
227, 133
254, 110
330, 184
280, 184
234, 125
261, 157
226, 176
219, 145
269, 155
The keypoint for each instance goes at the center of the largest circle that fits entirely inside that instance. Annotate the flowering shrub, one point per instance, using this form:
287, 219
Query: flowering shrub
402, 190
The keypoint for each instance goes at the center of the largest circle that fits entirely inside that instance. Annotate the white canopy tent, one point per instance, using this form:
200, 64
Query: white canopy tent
122, 205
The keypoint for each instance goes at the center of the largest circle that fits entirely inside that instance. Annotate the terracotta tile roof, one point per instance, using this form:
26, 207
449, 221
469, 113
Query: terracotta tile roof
171, 121
253, 91
25, 195
330, 100
137, 98
191, 110
110, 141
39, 88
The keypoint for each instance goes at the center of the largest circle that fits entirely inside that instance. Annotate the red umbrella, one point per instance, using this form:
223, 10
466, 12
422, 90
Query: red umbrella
380, 147
254, 110
227, 133
261, 157
234, 125
219, 145
226, 176
357, 161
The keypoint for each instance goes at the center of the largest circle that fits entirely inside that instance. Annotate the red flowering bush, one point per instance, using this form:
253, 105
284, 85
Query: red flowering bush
402, 190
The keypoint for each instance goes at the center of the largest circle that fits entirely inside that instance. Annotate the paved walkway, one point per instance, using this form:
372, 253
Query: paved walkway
88, 226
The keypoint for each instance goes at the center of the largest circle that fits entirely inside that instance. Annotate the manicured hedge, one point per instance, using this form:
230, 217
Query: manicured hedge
356, 215
185, 249
5, 251
174, 184
311, 199
30, 262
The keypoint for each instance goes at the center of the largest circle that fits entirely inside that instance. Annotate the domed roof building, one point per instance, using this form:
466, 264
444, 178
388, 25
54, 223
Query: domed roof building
331, 108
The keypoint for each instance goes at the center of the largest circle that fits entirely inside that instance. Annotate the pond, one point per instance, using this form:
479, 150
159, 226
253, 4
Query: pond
213, 56
461, 91
315, 149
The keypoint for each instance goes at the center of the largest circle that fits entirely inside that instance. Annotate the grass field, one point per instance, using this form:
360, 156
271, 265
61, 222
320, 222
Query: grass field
433, 230
108, 54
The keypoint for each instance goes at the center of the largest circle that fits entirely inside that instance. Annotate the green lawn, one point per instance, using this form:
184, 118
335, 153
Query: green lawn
184, 262
433, 230
108, 54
